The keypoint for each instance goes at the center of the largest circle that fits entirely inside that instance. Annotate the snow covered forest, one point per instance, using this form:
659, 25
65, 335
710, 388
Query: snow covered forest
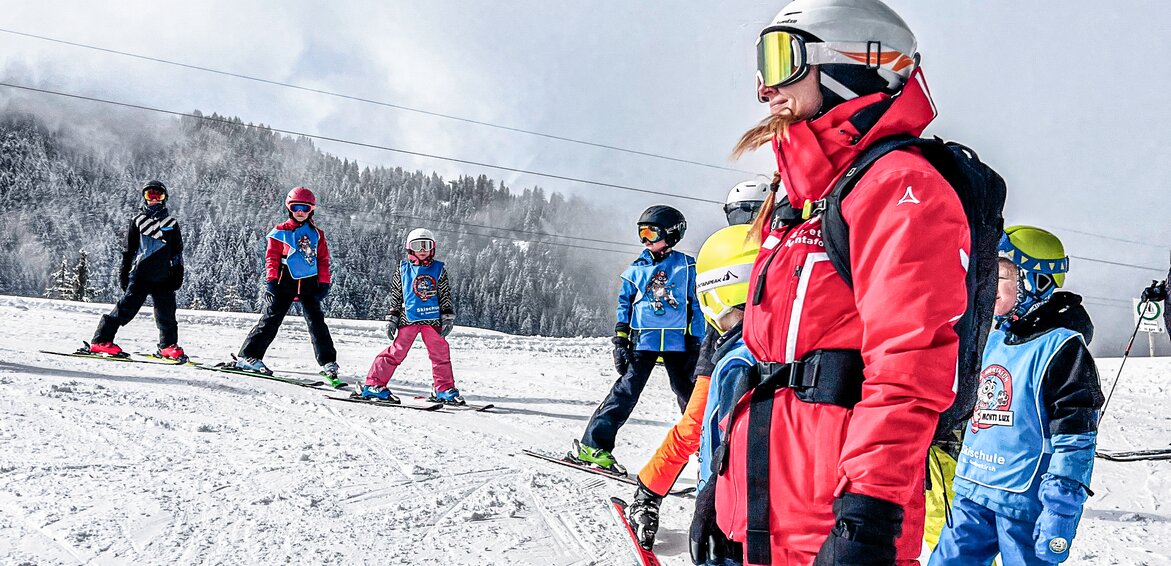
70, 189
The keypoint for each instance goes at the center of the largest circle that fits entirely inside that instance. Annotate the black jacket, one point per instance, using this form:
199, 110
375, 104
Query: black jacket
1070, 389
164, 266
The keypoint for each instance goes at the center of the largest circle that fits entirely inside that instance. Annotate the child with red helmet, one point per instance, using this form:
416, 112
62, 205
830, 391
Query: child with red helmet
296, 266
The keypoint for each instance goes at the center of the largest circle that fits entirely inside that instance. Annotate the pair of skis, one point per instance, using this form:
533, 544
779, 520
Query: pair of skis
642, 556
144, 358
566, 461
421, 403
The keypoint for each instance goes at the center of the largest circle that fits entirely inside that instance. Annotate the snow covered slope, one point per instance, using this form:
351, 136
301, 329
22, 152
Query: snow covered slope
115, 463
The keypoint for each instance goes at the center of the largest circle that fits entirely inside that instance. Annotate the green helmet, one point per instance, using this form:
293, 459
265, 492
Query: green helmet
1041, 264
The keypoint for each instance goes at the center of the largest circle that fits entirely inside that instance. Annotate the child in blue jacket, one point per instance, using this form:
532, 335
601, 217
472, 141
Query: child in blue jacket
1028, 455
658, 318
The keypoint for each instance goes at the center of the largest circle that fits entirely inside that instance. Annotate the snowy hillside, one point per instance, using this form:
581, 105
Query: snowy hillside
117, 463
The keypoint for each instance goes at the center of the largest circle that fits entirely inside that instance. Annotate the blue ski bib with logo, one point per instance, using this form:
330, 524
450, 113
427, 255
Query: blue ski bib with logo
302, 243
1007, 438
421, 290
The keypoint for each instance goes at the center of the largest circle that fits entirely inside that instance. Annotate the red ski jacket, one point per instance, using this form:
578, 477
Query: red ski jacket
909, 245
276, 251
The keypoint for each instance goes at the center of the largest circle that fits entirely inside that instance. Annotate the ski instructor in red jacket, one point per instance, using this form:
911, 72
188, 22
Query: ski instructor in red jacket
865, 371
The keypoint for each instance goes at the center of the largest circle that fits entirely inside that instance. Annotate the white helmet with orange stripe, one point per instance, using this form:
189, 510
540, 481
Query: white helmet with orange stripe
860, 46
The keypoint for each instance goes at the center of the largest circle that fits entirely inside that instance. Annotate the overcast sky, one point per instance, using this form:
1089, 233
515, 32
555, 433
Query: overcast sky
1067, 99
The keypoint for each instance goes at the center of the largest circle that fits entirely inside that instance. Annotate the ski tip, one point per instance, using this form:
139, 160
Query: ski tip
618, 501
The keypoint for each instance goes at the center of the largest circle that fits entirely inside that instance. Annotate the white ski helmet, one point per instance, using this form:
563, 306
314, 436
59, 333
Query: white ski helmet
419, 234
748, 191
885, 45
745, 201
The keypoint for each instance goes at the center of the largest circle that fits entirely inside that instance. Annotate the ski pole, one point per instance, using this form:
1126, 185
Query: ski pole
1141, 308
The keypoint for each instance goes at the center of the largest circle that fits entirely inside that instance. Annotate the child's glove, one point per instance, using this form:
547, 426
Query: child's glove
1062, 500
322, 292
446, 324
706, 542
864, 533
175, 280
270, 291
391, 326
124, 280
621, 354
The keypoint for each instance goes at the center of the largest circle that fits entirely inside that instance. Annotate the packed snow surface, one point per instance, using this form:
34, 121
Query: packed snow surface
117, 463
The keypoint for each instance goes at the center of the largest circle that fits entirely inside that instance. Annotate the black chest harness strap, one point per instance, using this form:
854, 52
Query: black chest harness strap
832, 377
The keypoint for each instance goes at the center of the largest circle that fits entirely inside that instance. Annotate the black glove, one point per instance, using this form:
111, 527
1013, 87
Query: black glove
446, 323
864, 533
175, 279
322, 292
707, 542
124, 280
692, 344
622, 353
1156, 293
643, 515
270, 291
391, 325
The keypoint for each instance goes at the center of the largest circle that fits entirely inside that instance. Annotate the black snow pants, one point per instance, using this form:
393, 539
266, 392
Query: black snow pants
617, 406
129, 305
277, 306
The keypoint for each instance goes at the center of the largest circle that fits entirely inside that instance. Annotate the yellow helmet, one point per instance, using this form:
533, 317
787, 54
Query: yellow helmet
1036, 252
723, 267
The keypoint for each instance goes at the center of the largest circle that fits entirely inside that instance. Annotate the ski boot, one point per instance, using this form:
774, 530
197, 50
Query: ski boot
643, 516
329, 372
108, 349
254, 365
596, 458
377, 393
172, 352
448, 397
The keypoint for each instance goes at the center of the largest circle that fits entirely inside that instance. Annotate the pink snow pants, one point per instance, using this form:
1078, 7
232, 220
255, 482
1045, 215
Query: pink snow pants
384, 365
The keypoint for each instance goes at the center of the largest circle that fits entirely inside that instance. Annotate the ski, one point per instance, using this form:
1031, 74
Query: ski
107, 358
642, 556
157, 359
1135, 455
473, 407
400, 404
289, 380
564, 461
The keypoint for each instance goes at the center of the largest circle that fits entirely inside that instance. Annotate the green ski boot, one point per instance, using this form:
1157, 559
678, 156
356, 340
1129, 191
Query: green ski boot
329, 372
597, 458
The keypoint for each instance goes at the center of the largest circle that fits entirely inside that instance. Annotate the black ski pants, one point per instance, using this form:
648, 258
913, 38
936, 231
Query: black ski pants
624, 394
277, 306
128, 306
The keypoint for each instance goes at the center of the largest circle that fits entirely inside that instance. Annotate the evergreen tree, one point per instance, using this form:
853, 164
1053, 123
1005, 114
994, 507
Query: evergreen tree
81, 288
61, 284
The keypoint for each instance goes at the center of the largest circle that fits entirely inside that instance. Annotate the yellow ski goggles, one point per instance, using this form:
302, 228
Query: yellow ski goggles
783, 58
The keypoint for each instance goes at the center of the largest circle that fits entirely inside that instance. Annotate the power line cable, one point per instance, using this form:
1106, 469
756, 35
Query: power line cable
1115, 238
364, 144
1118, 263
377, 102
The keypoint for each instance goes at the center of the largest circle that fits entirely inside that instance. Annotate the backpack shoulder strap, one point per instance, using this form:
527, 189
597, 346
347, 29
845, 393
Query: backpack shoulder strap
834, 228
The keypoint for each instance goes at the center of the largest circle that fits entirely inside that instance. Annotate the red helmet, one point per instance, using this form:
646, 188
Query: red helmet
300, 194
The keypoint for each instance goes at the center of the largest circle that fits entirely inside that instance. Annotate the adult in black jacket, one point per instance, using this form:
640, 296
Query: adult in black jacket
152, 265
